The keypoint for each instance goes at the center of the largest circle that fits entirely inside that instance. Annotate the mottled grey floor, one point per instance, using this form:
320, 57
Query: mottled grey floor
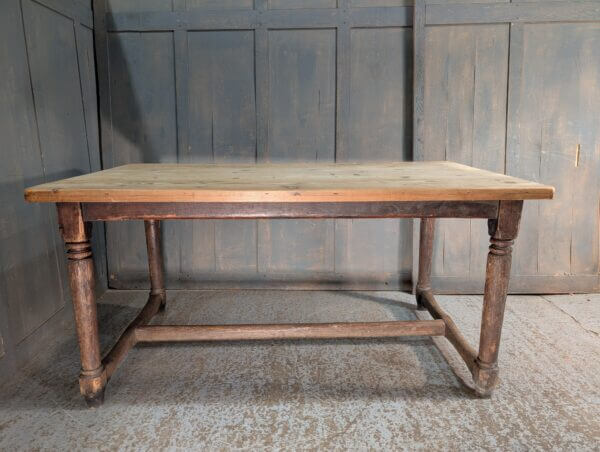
386, 394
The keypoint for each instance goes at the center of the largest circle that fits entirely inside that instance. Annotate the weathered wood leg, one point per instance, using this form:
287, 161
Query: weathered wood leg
425, 257
155, 261
76, 234
503, 231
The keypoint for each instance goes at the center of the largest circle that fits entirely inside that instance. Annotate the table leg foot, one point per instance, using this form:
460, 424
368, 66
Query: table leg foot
421, 306
485, 378
92, 384
96, 400
163, 302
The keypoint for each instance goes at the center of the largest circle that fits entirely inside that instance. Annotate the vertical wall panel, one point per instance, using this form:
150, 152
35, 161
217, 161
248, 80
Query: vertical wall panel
59, 106
20, 223
61, 127
32, 289
59, 80
221, 97
142, 97
62, 82
380, 129
551, 129
455, 234
87, 70
557, 141
465, 118
585, 259
373, 250
489, 127
222, 111
380, 100
302, 95
144, 130
301, 128
48, 97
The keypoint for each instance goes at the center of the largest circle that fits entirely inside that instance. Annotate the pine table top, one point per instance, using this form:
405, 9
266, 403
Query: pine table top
289, 182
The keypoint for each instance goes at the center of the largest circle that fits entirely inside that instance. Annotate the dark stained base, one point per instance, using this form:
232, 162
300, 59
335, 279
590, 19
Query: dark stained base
207, 210
503, 220
95, 401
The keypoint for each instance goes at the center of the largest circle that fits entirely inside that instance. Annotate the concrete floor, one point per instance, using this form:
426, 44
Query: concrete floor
385, 394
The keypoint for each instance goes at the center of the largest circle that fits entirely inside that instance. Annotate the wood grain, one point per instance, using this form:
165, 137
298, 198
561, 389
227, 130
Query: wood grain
375, 115
467, 127
47, 121
553, 137
76, 234
31, 286
503, 231
184, 333
406, 181
515, 12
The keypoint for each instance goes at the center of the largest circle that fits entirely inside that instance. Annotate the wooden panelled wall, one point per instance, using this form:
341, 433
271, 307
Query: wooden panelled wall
515, 88
278, 80
511, 87
48, 131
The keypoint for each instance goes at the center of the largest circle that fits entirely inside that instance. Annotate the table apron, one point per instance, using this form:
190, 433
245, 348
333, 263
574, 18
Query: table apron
205, 210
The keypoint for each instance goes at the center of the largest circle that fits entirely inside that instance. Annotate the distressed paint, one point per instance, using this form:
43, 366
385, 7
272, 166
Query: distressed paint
142, 103
222, 130
47, 131
465, 117
379, 129
465, 110
557, 141
221, 107
301, 76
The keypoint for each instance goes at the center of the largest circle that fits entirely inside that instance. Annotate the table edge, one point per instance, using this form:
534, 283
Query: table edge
538, 192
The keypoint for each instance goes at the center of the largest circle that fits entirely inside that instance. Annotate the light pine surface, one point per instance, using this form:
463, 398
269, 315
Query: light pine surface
402, 181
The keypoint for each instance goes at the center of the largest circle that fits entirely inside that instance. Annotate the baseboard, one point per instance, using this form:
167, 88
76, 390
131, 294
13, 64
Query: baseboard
535, 284
293, 281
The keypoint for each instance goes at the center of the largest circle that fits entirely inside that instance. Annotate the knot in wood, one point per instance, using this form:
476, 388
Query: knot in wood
501, 247
79, 251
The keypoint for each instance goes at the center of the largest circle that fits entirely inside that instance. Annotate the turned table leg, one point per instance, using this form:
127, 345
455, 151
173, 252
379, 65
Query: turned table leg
76, 234
155, 261
425, 257
503, 232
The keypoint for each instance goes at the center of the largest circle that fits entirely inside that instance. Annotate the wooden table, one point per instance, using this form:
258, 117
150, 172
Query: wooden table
155, 192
